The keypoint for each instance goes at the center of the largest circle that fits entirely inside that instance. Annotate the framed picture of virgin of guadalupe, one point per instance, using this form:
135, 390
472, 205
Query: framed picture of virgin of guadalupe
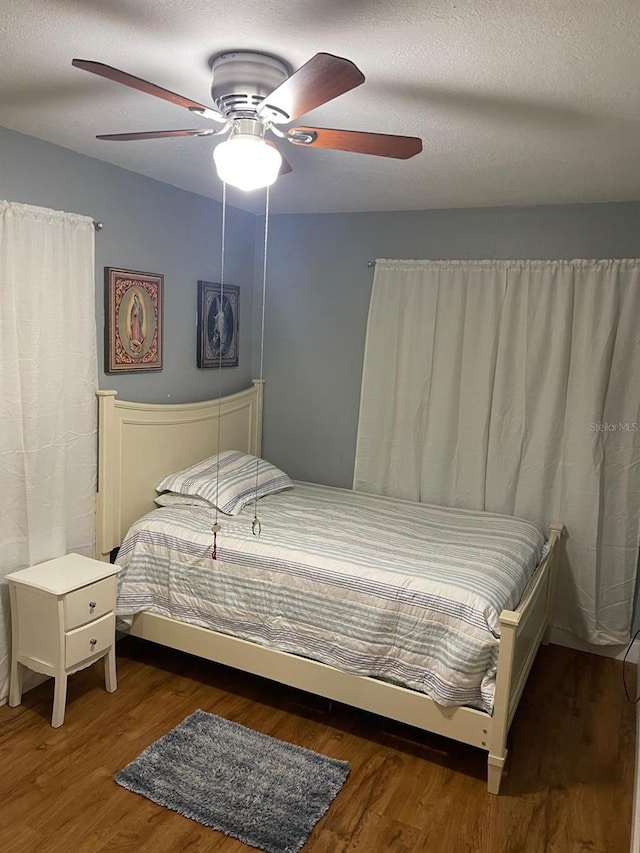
133, 320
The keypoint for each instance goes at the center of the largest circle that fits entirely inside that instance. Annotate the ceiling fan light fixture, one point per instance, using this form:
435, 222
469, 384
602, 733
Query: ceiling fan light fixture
247, 162
254, 93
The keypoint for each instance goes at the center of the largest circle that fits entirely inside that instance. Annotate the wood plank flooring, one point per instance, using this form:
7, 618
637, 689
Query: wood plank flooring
567, 788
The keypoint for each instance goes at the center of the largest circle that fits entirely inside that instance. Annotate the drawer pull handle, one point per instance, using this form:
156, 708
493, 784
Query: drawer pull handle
93, 642
92, 604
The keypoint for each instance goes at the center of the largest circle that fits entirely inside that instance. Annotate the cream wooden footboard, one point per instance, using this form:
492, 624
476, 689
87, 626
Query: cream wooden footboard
140, 443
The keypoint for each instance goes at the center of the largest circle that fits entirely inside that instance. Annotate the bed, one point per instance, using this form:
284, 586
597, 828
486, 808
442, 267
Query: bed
139, 444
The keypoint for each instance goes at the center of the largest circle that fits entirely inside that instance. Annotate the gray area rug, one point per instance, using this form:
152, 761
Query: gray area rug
262, 791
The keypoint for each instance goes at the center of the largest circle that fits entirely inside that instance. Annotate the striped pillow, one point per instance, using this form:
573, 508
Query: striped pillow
176, 499
227, 480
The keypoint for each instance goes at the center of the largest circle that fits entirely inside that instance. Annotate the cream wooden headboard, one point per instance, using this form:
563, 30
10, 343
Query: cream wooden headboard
139, 443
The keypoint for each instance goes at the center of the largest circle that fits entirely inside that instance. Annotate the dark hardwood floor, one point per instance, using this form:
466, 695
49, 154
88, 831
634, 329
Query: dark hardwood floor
567, 788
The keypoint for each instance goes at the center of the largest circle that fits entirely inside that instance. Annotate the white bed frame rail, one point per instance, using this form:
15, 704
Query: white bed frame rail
141, 443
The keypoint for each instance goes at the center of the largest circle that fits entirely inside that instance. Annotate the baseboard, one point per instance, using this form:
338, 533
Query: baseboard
560, 637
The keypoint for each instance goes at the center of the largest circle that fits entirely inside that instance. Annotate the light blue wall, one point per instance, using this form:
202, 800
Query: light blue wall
318, 298
148, 226
318, 283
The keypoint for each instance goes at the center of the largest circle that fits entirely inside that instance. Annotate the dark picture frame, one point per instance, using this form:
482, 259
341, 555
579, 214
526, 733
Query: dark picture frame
133, 320
218, 324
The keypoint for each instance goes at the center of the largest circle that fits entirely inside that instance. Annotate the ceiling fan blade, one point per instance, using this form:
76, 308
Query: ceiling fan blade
141, 85
286, 166
319, 80
155, 134
379, 144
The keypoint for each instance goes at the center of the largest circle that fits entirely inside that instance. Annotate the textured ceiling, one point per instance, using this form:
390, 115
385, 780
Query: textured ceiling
517, 103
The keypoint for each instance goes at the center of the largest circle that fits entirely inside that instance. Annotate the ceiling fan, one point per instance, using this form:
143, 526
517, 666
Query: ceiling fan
254, 95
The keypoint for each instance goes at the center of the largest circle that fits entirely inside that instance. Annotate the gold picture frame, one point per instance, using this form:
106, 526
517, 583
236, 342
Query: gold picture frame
133, 320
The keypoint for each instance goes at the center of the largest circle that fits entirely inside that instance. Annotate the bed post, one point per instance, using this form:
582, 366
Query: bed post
107, 491
258, 384
521, 632
509, 621
556, 532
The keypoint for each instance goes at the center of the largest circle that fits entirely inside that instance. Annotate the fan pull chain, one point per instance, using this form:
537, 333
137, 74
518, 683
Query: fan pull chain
216, 530
216, 526
256, 527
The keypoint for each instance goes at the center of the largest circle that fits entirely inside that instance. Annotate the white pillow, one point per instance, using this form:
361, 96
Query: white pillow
227, 480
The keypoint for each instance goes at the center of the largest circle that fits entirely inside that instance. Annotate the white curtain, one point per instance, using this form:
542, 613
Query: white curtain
514, 386
48, 379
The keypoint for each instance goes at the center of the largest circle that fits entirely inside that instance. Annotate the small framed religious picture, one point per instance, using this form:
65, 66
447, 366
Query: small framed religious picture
218, 324
133, 320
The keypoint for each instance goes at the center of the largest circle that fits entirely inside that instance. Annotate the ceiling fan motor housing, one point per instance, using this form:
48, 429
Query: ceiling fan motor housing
243, 79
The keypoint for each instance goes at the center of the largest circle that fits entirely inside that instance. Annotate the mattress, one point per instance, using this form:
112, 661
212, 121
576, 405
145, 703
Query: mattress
404, 592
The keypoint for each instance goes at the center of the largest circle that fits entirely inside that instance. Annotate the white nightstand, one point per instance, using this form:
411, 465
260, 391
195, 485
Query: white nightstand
62, 620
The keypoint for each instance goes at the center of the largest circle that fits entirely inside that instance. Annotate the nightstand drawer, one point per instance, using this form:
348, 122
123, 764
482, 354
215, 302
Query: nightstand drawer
90, 602
89, 640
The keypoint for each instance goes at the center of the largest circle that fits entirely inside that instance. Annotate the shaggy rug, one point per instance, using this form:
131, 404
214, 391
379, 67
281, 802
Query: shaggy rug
262, 791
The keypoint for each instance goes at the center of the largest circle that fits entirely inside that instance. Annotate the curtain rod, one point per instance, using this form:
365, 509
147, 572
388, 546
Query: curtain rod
98, 225
371, 264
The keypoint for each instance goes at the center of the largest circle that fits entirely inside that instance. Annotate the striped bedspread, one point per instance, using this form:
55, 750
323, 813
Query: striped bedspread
408, 593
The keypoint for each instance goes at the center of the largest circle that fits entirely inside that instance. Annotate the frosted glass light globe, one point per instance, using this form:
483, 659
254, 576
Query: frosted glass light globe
247, 162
